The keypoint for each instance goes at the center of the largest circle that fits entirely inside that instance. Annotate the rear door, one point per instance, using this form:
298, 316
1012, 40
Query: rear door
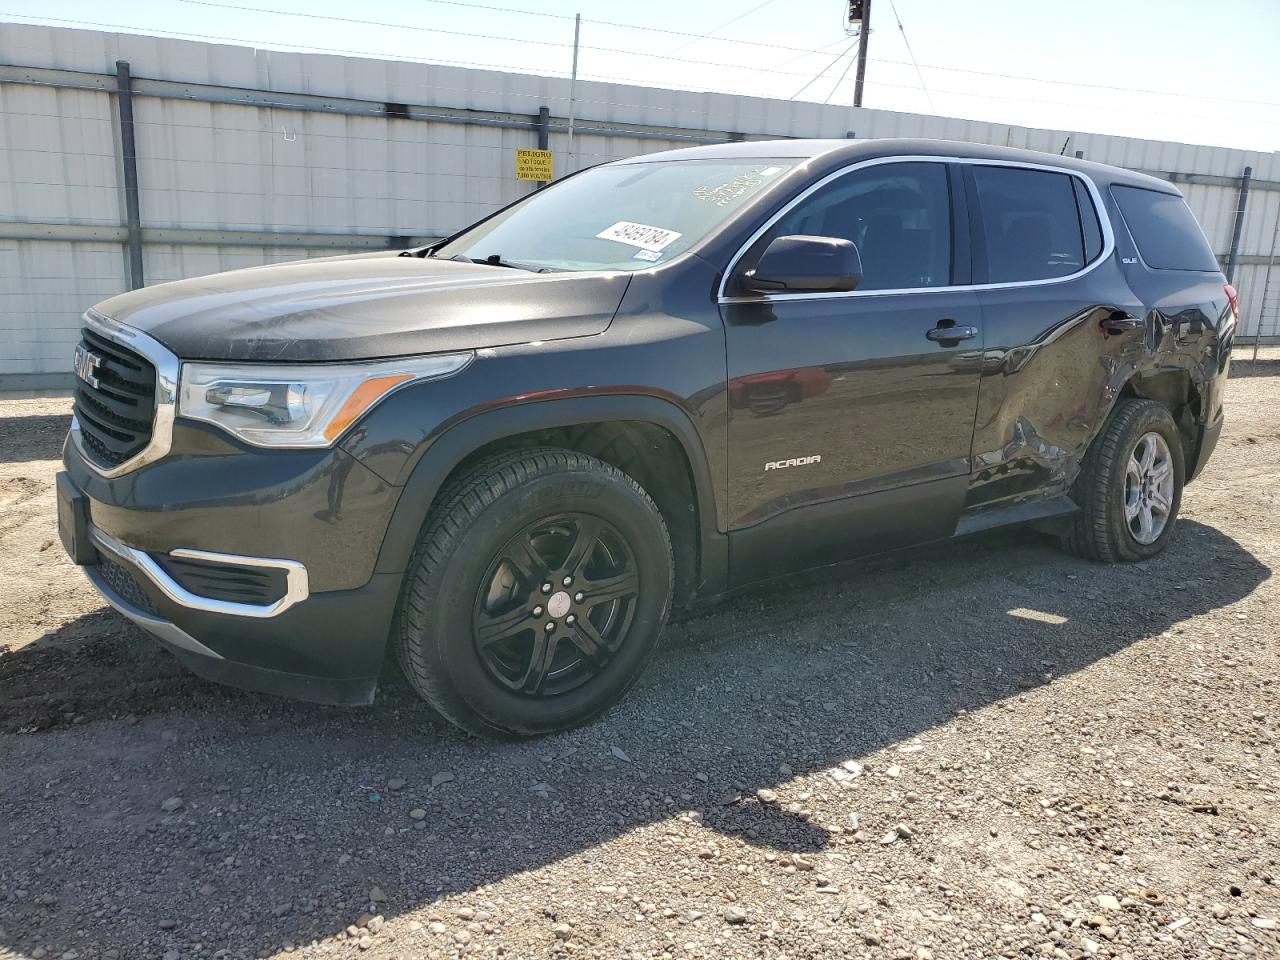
1060, 325
849, 427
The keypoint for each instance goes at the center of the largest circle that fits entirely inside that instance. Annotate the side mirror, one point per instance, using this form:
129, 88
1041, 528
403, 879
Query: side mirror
806, 264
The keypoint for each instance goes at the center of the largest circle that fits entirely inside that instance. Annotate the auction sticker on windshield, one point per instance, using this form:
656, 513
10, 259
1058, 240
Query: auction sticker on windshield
640, 235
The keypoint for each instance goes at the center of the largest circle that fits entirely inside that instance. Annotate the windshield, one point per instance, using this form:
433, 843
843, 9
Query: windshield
624, 217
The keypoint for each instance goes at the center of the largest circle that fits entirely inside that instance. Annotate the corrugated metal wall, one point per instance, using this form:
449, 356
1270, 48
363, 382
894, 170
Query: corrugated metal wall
276, 169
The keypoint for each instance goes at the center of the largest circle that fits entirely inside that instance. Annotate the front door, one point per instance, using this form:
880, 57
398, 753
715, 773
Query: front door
851, 415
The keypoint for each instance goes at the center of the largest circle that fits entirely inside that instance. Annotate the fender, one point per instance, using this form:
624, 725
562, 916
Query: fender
441, 455
1162, 355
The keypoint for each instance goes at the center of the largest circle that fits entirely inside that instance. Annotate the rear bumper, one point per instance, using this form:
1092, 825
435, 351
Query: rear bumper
1208, 441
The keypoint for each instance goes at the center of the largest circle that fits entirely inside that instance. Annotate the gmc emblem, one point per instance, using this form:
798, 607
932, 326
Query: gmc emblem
86, 365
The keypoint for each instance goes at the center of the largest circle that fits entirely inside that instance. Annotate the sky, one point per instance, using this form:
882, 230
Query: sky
1194, 72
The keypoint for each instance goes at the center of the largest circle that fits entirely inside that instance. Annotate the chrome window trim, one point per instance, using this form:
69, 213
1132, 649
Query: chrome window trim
296, 584
167, 367
1104, 220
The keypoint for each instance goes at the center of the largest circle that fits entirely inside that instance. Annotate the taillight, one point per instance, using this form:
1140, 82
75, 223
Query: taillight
1233, 298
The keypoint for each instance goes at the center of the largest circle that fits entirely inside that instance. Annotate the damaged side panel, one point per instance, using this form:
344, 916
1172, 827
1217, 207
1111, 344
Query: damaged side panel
1058, 358
1192, 330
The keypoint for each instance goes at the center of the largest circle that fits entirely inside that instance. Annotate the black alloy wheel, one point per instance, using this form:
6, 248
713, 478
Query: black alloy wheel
537, 595
555, 605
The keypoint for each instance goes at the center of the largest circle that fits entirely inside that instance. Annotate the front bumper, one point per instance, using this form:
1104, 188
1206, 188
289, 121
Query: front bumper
324, 646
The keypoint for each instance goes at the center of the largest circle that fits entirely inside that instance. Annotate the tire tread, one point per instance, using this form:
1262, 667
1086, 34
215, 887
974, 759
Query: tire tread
461, 505
1089, 535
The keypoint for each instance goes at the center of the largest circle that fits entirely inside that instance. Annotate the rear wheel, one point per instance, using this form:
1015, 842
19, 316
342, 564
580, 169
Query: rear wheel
1130, 486
537, 594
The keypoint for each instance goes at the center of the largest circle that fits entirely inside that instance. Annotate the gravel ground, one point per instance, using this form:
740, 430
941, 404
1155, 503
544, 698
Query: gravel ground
984, 750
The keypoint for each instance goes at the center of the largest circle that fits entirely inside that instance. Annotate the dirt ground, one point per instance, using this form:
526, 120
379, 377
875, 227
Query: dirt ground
989, 749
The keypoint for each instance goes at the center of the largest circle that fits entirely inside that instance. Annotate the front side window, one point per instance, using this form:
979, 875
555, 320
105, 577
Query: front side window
617, 217
897, 214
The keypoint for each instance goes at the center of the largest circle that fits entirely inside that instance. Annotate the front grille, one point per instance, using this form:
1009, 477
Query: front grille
116, 415
258, 586
124, 584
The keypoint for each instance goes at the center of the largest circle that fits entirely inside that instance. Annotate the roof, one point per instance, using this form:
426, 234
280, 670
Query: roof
841, 152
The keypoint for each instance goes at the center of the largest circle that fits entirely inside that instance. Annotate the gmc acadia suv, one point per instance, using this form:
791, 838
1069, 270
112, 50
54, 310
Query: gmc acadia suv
512, 453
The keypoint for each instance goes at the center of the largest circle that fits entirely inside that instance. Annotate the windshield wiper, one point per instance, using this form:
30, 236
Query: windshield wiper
496, 260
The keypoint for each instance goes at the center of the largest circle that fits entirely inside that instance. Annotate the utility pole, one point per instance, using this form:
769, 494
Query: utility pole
573, 83
860, 20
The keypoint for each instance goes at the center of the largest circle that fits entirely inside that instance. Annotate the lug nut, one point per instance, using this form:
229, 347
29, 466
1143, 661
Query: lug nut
550, 627
579, 597
570, 618
546, 588
537, 611
567, 581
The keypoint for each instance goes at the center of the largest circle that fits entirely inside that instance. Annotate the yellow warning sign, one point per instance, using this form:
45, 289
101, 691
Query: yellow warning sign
534, 165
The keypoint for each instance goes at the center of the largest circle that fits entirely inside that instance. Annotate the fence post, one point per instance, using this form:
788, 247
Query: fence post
1266, 283
1239, 225
544, 127
543, 122
129, 161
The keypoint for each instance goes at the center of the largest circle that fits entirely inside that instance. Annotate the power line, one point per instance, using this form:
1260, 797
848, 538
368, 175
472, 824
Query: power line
157, 31
823, 70
901, 29
489, 36
563, 16
149, 30
825, 48
803, 51
851, 62
728, 23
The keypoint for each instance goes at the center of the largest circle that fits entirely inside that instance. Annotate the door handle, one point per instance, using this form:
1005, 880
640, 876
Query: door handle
1117, 323
947, 332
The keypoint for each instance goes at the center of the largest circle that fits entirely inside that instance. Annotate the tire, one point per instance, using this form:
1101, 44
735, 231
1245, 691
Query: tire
1108, 529
488, 577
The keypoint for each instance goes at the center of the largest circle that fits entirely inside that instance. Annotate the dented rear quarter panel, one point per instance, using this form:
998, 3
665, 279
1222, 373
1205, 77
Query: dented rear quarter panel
1052, 372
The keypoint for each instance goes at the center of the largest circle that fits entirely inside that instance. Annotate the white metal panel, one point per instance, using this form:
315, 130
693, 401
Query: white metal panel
165, 262
44, 288
56, 156
216, 165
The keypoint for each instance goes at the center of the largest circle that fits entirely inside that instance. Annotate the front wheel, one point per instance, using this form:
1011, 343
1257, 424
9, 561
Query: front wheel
537, 594
1130, 486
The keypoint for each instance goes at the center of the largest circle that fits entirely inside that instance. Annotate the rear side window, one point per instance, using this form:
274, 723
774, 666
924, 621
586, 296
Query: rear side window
897, 214
1031, 223
1164, 229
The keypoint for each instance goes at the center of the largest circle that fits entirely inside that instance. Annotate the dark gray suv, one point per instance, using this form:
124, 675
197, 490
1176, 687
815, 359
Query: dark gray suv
507, 456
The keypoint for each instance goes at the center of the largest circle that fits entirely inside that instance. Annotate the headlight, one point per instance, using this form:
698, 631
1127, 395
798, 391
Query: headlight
299, 405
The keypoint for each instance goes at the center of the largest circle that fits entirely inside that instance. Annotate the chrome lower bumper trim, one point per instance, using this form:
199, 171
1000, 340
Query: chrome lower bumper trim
161, 629
296, 585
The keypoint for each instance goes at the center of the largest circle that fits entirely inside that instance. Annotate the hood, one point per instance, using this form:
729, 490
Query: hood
366, 307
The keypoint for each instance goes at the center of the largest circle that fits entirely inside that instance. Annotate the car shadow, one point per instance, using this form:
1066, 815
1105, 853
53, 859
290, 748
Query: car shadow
292, 807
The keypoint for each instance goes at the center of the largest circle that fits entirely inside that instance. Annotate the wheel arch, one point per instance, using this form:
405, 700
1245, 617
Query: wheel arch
649, 438
1177, 390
